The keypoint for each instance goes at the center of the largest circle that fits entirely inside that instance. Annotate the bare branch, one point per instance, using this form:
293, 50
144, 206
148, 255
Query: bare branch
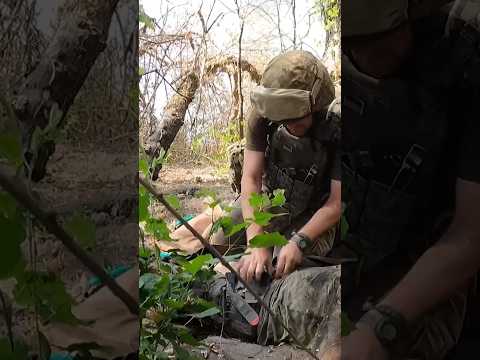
48, 219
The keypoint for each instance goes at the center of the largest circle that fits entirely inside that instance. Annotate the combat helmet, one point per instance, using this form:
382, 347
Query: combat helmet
293, 85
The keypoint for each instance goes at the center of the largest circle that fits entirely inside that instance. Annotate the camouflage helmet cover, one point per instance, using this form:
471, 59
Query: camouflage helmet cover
293, 85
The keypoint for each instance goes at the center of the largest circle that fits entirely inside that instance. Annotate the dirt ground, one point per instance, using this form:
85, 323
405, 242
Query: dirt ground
100, 185
185, 181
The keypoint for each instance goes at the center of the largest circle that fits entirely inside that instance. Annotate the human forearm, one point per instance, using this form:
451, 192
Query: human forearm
328, 215
321, 221
250, 185
448, 264
441, 270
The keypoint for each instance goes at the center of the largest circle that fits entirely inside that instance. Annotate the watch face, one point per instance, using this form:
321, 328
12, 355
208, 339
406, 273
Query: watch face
302, 243
388, 331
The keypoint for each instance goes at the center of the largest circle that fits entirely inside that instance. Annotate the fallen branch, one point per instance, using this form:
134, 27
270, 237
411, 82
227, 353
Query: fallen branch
219, 256
49, 220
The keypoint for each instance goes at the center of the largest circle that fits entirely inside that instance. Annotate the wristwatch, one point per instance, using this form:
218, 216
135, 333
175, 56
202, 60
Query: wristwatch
388, 325
303, 241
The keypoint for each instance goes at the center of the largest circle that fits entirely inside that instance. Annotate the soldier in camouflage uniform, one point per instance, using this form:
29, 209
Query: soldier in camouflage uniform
410, 174
292, 136
291, 145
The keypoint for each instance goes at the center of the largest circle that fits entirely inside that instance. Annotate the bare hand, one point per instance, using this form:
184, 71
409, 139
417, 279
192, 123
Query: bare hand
289, 259
252, 266
362, 344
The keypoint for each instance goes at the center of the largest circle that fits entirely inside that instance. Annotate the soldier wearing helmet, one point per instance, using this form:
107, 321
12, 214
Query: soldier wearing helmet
291, 145
410, 174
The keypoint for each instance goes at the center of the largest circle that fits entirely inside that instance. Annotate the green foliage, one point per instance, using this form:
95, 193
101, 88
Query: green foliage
13, 234
173, 201
82, 229
143, 204
211, 196
11, 148
47, 293
268, 240
166, 297
143, 18
196, 264
158, 228
330, 11
347, 326
52, 132
259, 201
278, 197
167, 301
19, 351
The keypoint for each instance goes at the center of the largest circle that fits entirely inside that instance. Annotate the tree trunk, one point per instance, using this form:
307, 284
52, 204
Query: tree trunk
60, 73
174, 112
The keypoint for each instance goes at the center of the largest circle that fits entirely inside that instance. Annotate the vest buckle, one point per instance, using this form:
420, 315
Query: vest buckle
409, 168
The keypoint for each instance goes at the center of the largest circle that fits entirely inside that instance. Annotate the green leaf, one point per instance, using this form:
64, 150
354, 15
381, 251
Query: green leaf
20, 350
182, 354
158, 228
236, 228
11, 148
82, 229
48, 293
174, 304
268, 240
143, 204
259, 201
145, 19
262, 218
13, 233
185, 335
173, 201
143, 166
154, 283
196, 264
278, 197
44, 347
206, 192
8, 206
346, 324
209, 312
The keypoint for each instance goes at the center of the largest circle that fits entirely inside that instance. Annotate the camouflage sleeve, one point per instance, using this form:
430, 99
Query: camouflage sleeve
256, 132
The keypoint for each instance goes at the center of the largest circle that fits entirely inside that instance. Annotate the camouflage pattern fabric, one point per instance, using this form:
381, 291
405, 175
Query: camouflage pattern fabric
235, 153
308, 302
298, 69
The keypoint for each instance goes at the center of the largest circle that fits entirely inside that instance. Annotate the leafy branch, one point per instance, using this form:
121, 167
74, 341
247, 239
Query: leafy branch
149, 187
48, 219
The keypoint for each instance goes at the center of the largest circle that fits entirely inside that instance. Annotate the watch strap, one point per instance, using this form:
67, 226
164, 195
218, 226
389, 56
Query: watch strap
389, 326
298, 236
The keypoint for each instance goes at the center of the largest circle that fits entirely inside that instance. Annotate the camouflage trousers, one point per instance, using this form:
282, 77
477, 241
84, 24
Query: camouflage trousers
308, 302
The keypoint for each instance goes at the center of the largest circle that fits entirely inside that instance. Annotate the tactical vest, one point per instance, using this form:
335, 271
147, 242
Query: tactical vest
300, 166
395, 147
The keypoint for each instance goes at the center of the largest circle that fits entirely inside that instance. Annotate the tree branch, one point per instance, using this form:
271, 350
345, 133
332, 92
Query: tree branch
219, 256
48, 219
